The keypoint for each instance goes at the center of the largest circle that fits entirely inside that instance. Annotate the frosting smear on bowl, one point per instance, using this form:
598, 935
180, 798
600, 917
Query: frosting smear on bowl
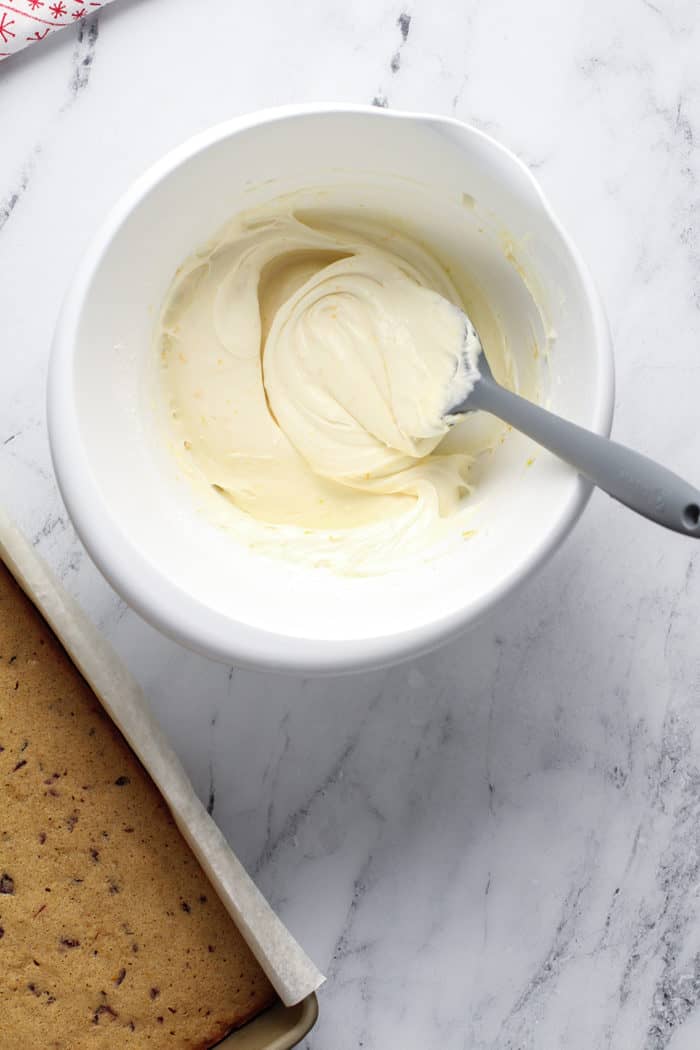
307, 359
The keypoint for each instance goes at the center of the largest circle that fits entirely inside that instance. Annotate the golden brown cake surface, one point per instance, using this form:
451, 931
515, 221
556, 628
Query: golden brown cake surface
110, 933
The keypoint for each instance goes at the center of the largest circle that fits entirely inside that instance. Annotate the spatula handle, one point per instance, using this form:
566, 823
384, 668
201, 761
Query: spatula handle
640, 483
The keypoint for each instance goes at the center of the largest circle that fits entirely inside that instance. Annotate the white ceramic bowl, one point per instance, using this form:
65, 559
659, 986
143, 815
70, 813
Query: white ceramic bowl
142, 527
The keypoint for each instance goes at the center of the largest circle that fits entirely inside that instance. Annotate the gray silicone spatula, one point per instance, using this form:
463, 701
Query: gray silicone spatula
638, 482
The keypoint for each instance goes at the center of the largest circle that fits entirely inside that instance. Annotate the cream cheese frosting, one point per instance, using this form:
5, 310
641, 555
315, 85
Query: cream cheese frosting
360, 365
308, 360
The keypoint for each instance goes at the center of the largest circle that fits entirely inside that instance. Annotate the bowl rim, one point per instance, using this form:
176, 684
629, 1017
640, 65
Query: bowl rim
174, 611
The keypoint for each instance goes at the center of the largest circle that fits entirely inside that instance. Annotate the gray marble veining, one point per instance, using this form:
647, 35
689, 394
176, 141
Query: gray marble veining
497, 846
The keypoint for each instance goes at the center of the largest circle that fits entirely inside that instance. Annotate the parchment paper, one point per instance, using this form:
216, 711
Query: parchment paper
291, 972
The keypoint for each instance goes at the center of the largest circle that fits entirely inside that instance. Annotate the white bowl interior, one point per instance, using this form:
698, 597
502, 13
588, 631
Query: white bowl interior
441, 168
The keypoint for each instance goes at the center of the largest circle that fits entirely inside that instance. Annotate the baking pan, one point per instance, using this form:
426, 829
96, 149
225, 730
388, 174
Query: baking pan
279, 1028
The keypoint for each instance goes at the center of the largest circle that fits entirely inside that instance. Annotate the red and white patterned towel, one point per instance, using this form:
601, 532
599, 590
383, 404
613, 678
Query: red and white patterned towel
24, 22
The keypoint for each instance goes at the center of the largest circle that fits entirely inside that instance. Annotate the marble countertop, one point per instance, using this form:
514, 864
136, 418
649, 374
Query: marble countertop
498, 845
